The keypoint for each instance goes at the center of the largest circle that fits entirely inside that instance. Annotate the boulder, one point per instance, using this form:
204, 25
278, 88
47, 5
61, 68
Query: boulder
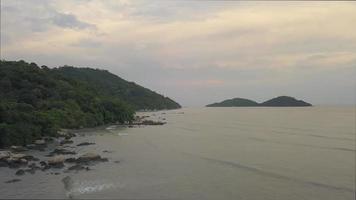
78, 167
56, 161
40, 142
13, 180
18, 148
18, 155
85, 143
4, 155
65, 141
89, 157
20, 172
70, 160
62, 151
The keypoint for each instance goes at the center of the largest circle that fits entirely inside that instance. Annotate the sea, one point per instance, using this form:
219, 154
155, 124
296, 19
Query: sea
247, 153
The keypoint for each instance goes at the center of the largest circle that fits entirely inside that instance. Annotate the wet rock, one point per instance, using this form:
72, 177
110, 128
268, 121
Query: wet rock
70, 160
40, 142
85, 144
48, 139
15, 162
20, 172
56, 161
4, 155
43, 163
13, 180
89, 157
31, 146
76, 167
61, 151
18, 148
31, 170
66, 142
150, 122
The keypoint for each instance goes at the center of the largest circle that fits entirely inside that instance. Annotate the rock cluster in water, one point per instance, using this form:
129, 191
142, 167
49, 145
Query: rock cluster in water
16, 158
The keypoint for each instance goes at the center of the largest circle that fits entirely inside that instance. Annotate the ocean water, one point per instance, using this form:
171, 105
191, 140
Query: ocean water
212, 153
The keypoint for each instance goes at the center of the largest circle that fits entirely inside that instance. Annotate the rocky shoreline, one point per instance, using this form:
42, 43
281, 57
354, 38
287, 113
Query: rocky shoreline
61, 155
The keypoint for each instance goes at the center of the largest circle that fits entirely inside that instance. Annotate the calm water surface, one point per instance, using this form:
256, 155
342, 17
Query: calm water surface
213, 153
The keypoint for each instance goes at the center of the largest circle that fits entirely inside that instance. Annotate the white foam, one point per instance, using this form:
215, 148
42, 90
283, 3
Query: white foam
85, 187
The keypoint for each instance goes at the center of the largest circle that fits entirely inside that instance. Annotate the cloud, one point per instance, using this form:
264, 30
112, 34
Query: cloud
70, 21
229, 45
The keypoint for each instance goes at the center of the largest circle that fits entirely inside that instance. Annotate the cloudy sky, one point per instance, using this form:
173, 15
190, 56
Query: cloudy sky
195, 52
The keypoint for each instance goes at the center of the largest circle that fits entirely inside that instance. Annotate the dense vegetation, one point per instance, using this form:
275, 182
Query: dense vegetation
281, 101
285, 101
38, 101
236, 102
109, 84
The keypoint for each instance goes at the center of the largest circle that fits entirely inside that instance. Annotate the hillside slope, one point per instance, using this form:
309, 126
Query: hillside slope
109, 84
236, 102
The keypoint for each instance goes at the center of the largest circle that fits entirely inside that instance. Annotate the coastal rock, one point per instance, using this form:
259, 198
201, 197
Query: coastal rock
90, 157
40, 142
65, 141
20, 172
56, 161
4, 155
62, 151
150, 122
85, 143
13, 180
70, 160
78, 167
18, 148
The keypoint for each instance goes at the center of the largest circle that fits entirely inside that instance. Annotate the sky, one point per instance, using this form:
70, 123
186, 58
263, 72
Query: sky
196, 52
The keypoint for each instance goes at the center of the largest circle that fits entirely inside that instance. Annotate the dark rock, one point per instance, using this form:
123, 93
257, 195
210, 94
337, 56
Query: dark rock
62, 152
13, 180
43, 163
70, 160
20, 172
89, 157
77, 167
150, 122
48, 139
31, 170
66, 142
18, 148
116, 161
85, 144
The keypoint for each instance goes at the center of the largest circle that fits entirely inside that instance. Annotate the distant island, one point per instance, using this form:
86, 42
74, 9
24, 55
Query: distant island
36, 101
281, 101
235, 102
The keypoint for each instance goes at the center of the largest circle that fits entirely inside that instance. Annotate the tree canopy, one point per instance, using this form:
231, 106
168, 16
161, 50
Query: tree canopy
37, 101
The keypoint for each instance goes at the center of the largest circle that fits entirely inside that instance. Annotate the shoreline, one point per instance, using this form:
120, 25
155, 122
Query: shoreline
60, 152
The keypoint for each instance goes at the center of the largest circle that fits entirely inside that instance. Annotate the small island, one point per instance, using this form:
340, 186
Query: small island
281, 101
235, 102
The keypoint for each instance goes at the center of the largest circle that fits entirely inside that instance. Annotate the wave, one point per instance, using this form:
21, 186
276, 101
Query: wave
272, 174
74, 188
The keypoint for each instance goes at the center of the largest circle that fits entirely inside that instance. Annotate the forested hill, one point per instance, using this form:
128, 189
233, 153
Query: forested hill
109, 84
236, 102
281, 101
38, 101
